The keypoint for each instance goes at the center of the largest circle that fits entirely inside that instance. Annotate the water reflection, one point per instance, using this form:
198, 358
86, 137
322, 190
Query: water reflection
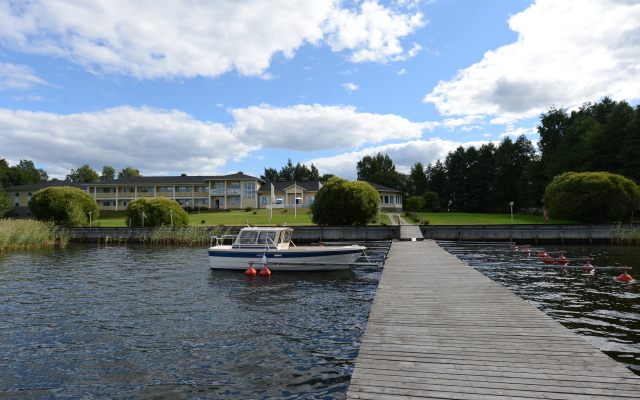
139, 322
603, 310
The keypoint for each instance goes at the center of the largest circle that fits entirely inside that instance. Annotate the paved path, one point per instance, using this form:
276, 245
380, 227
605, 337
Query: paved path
439, 329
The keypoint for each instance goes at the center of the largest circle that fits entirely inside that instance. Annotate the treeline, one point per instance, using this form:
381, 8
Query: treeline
291, 173
604, 136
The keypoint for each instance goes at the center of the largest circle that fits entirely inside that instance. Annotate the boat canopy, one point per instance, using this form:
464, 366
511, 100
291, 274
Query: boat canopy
263, 237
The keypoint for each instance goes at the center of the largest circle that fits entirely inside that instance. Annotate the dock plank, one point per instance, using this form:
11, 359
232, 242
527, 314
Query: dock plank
439, 329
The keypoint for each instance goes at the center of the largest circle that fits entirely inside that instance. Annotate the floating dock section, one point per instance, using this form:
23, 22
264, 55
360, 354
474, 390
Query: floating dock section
440, 329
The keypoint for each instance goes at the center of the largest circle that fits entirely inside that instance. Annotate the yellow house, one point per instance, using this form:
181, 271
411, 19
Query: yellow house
233, 191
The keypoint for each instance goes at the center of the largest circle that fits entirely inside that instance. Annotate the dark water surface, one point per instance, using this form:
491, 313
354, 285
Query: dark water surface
601, 309
138, 322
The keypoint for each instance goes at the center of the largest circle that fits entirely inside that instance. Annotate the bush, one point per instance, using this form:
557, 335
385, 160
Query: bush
415, 203
343, 202
248, 209
414, 217
591, 196
432, 202
6, 207
157, 212
65, 206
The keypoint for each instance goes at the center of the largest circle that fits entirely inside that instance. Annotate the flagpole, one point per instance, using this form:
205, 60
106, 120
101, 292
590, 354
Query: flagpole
295, 200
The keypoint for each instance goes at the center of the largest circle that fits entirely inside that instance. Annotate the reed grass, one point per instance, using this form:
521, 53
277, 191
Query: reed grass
25, 233
186, 236
621, 235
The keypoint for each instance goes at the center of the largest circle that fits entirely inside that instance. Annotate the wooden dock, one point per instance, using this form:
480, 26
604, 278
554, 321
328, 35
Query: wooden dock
439, 329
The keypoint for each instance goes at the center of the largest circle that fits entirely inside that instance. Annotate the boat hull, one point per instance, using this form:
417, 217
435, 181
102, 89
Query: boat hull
295, 259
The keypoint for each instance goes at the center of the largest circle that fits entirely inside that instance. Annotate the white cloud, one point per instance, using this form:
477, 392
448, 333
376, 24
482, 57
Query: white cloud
16, 76
404, 155
515, 132
30, 97
154, 141
454, 122
350, 86
315, 128
567, 52
168, 38
401, 72
486, 135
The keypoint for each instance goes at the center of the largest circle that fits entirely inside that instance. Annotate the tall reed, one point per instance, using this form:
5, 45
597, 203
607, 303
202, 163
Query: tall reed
24, 233
625, 235
187, 235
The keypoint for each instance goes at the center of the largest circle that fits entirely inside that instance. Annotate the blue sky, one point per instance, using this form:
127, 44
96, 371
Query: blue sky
221, 86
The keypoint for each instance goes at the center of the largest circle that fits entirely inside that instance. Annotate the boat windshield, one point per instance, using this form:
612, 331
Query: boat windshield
262, 238
248, 237
286, 236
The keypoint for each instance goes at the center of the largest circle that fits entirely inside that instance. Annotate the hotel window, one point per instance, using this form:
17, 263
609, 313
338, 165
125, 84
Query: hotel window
310, 199
107, 190
108, 203
201, 188
28, 196
235, 201
219, 185
249, 191
183, 189
17, 204
125, 203
183, 202
264, 200
146, 189
235, 185
398, 199
166, 189
279, 200
17, 194
128, 190
202, 202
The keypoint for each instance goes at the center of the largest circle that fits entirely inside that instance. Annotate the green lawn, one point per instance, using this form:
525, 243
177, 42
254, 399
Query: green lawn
445, 218
238, 217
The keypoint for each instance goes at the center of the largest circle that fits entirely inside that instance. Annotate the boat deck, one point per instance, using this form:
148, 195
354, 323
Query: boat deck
440, 329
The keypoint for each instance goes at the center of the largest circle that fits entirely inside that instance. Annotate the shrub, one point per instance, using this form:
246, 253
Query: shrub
432, 202
157, 212
248, 209
591, 196
415, 203
343, 202
203, 221
65, 206
255, 212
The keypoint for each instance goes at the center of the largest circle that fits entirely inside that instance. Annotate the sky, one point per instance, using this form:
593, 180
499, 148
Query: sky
221, 86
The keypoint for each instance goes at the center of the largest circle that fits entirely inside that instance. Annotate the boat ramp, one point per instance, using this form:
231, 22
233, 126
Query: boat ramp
440, 329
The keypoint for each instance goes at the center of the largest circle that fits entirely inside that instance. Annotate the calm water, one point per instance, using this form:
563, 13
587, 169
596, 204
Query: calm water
601, 309
134, 322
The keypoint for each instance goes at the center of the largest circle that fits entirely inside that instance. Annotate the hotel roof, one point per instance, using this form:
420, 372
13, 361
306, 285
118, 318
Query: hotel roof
44, 185
175, 180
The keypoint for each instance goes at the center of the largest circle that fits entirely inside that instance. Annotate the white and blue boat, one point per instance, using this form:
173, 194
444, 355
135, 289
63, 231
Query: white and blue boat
272, 247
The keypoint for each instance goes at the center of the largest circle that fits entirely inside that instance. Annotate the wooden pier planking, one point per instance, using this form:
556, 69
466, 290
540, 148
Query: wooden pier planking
440, 329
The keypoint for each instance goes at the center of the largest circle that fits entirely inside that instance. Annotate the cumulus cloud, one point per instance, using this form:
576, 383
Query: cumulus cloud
17, 76
350, 86
168, 38
154, 141
404, 155
316, 127
567, 52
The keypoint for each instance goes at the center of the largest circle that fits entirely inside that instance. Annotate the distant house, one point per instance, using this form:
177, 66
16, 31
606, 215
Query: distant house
233, 191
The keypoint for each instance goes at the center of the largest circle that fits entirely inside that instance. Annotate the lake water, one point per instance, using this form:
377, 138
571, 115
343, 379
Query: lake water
601, 309
139, 322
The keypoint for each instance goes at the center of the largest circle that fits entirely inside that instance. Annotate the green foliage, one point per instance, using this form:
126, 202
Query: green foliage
343, 202
415, 203
128, 172
369, 166
22, 174
83, 174
157, 212
417, 184
108, 174
431, 201
6, 206
591, 196
65, 206
24, 233
291, 173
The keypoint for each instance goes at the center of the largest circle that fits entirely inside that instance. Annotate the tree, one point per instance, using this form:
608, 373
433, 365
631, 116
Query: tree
108, 174
415, 203
417, 184
392, 179
431, 201
66, 206
157, 212
437, 181
6, 206
83, 174
291, 173
591, 196
128, 172
4, 173
343, 202
25, 173
369, 166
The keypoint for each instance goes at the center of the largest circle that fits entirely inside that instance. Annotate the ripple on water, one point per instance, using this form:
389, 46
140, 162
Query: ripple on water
139, 321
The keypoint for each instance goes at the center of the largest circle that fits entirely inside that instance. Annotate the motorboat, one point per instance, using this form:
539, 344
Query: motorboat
272, 248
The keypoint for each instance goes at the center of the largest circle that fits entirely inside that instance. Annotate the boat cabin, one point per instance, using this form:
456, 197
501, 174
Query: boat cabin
259, 237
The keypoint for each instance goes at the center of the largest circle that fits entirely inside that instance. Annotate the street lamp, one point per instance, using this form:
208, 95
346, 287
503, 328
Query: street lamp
171, 216
511, 204
89, 219
450, 202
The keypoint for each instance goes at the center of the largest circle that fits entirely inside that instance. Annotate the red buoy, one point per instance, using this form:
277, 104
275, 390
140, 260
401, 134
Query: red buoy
548, 261
264, 272
625, 277
250, 271
588, 268
562, 260
543, 255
